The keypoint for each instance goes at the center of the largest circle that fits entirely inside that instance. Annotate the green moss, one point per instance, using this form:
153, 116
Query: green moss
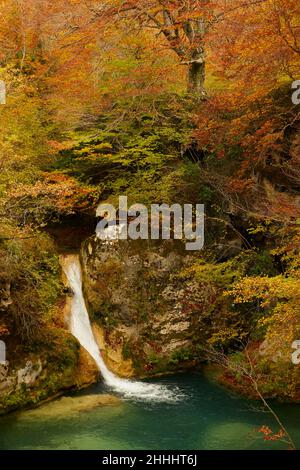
181, 355
262, 264
60, 356
126, 350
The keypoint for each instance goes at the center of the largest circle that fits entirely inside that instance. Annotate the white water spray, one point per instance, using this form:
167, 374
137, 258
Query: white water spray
80, 327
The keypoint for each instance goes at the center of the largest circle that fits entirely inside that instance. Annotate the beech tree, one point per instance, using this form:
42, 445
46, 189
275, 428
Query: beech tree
183, 25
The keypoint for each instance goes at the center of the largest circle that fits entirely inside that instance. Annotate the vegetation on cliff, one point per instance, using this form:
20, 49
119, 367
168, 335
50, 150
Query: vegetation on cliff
166, 102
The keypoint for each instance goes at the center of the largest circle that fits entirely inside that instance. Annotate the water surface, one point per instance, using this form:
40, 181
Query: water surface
208, 417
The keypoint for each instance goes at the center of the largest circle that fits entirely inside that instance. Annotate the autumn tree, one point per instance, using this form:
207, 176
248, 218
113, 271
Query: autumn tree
249, 128
183, 25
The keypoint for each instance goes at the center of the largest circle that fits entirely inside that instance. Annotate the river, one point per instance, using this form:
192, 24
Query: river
208, 417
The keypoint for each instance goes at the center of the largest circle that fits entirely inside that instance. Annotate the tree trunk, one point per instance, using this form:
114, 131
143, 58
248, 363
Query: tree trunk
196, 74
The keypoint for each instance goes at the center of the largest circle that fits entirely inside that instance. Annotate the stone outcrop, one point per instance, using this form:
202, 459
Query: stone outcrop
150, 314
113, 356
69, 406
35, 380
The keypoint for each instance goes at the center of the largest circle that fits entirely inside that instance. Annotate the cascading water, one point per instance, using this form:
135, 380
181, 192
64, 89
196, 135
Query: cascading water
80, 327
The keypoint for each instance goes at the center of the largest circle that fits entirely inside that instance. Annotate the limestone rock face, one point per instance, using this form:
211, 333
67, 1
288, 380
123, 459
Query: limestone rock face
27, 385
13, 381
113, 356
87, 371
7, 382
29, 374
135, 290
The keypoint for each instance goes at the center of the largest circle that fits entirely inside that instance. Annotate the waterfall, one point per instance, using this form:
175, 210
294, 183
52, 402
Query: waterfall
80, 327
